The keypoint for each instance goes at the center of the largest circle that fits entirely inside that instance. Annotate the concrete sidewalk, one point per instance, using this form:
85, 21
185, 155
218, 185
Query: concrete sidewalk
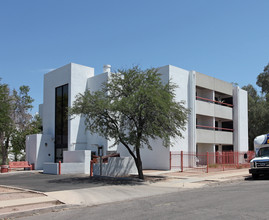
174, 182
170, 182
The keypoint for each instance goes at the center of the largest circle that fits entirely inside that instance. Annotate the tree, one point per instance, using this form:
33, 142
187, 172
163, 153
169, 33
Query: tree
15, 119
258, 105
258, 114
5, 120
22, 104
263, 80
133, 107
18, 137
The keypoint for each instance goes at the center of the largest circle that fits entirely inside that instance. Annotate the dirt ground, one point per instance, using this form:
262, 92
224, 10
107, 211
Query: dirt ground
9, 193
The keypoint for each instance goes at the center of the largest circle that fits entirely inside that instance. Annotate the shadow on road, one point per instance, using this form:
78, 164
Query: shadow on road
104, 180
261, 177
47, 183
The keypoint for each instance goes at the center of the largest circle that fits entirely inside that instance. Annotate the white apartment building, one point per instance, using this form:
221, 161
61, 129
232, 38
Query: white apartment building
218, 119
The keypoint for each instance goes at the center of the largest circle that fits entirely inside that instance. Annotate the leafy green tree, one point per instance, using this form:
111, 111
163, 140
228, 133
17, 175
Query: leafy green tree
22, 104
15, 120
133, 107
258, 114
18, 137
6, 123
263, 80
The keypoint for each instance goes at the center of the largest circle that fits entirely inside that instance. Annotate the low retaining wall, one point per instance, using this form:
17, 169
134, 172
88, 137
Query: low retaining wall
66, 168
75, 162
116, 166
51, 168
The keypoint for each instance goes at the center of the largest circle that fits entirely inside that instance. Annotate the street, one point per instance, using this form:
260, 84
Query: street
245, 199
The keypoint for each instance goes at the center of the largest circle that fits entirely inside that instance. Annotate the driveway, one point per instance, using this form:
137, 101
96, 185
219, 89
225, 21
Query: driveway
48, 183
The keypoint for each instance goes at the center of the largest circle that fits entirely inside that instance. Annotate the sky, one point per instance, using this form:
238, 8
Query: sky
226, 39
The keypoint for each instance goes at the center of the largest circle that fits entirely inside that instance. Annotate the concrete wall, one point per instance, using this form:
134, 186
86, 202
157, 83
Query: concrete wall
202, 150
213, 110
116, 166
76, 77
185, 92
74, 162
40, 111
214, 84
53, 79
205, 108
223, 112
157, 158
204, 93
39, 149
240, 120
74, 168
32, 147
214, 137
51, 168
78, 84
205, 120
80, 160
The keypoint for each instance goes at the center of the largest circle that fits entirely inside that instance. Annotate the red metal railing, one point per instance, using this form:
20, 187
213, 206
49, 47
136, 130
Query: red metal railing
214, 101
209, 161
214, 128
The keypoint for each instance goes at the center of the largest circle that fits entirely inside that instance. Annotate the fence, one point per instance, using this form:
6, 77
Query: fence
209, 161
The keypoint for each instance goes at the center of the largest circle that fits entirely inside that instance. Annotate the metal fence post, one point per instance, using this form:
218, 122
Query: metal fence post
207, 161
181, 160
60, 167
91, 168
237, 154
170, 160
223, 158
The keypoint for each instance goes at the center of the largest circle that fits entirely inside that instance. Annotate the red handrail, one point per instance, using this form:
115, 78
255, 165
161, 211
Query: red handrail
210, 100
213, 128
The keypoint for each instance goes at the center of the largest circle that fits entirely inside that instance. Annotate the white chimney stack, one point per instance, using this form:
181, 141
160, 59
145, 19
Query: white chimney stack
107, 68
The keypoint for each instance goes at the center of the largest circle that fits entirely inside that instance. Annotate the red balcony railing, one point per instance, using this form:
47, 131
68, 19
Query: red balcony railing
214, 128
213, 101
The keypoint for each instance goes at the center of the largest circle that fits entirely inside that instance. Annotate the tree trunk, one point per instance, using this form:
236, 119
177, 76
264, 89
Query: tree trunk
138, 163
5, 151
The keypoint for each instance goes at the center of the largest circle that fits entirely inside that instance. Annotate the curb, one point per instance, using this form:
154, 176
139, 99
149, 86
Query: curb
36, 211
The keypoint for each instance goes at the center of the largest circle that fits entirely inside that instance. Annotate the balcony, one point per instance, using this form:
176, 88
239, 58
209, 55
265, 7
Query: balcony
214, 135
213, 108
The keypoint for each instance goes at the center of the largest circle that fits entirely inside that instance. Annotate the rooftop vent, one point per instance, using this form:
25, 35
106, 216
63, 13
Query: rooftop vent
107, 68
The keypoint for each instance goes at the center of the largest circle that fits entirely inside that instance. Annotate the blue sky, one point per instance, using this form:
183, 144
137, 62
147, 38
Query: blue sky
226, 39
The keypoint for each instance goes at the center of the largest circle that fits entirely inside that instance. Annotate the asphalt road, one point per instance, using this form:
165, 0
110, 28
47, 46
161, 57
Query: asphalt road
240, 200
48, 183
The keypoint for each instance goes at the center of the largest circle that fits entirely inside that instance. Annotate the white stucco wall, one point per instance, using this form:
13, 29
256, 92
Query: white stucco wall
53, 79
31, 148
77, 133
213, 84
40, 111
157, 158
94, 84
185, 92
75, 76
76, 162
116, 166
51, 168
39, 149
240, 119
